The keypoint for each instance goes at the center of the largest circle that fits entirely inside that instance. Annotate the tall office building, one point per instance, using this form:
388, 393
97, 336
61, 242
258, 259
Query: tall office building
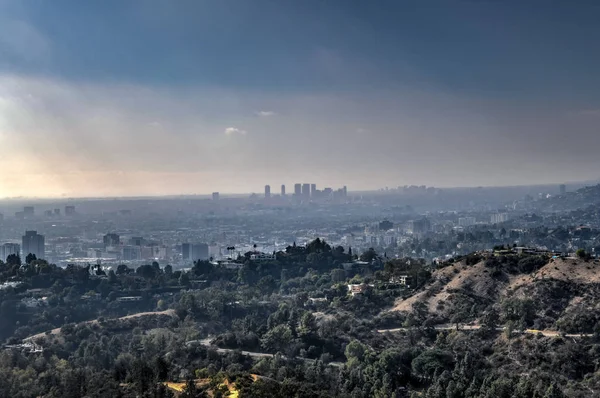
111, 240
215, 196
313, 190
32, 243
298, 190
9, 248
194, 251
267, 191
305, 191
282, 189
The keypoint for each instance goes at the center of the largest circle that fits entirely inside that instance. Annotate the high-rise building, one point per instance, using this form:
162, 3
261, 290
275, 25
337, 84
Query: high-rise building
28, 211
305, 191
215, 196
267, 191
111, 240
313, 190
563, 189
9, 248
282, 189
69, 210
194, 251
298, 190
32, 243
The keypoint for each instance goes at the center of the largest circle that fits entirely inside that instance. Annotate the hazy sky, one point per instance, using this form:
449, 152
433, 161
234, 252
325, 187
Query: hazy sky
118, 97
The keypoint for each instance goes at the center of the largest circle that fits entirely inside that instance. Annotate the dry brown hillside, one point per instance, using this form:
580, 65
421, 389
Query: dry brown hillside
485, 284
448, 280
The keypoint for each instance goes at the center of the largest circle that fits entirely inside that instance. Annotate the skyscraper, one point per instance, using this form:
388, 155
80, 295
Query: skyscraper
313, 190
282, 189
33, 244
298, 190
267, 191
305, 191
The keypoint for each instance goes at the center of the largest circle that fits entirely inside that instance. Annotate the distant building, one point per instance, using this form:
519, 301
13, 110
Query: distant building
48, 213
259, 257
563, 189
215, 196
298, 190
499, 218
313, 190
57, 212
419, 227
69, 210
28, 211
32, 243
305, 191
111, 240
194, 251
358, 289
131, 253
282, 189
267, 191
9, 248
466, 221
137, 241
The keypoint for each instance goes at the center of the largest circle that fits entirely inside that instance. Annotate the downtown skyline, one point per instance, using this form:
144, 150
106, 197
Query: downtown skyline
191, 98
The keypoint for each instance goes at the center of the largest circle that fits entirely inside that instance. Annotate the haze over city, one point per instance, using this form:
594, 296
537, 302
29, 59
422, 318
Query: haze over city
188, 97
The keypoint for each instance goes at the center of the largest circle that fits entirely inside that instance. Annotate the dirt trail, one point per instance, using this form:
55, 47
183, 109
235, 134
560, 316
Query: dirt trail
95, 321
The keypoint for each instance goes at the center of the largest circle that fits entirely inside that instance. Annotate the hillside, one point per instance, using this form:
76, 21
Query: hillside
562, 294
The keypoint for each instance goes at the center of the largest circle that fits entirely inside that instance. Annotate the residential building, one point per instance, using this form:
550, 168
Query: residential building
499, 218
298, 190
355, 289
466, 221
33, 243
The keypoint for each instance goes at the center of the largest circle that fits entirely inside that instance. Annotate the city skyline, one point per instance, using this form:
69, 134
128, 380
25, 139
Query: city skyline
179, 100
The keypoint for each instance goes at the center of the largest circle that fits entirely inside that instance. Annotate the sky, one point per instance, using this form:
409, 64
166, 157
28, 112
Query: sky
129, 98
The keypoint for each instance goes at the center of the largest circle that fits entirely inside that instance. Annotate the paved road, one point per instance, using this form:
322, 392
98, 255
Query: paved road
207, 343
